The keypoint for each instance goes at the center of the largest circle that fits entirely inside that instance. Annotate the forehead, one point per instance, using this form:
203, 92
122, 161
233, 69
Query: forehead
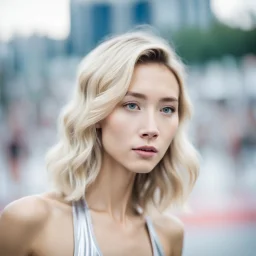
155, 79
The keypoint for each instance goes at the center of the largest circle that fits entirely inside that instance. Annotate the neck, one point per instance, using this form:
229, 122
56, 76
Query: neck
111, 192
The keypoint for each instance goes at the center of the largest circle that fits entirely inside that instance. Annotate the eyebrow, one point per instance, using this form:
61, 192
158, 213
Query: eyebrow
144, 97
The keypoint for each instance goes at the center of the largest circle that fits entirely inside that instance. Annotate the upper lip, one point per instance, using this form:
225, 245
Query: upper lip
147, 148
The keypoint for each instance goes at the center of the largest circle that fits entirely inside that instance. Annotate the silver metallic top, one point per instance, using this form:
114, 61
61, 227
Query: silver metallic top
85, 243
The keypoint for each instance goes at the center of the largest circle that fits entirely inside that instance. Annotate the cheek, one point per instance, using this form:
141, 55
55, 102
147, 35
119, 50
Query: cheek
114, 131
175, 125
113, 124
170, 133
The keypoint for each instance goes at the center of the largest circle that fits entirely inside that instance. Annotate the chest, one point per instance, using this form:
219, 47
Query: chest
59, 238
111, 241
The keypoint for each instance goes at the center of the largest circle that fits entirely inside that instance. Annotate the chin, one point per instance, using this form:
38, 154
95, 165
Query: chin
144, 171
141, 169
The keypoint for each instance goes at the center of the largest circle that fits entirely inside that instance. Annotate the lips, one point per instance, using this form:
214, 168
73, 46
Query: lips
147, 149
146, 152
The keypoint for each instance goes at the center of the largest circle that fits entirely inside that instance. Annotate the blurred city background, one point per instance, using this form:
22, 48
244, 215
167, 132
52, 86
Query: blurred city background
41, 44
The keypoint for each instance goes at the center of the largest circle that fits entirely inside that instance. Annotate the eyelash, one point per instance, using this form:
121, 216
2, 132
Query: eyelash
132, 103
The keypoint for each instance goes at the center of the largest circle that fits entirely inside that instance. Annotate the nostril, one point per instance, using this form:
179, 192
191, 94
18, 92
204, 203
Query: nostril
151, 135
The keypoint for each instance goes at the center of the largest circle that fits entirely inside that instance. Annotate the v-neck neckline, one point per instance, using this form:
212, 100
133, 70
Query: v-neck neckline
95, 243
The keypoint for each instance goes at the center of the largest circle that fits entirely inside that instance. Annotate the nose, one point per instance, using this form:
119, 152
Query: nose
149, 129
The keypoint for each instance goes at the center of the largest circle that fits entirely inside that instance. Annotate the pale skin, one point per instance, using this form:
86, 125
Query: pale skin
41, 225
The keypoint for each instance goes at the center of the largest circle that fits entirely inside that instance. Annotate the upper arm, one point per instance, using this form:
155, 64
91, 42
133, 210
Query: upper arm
20, 223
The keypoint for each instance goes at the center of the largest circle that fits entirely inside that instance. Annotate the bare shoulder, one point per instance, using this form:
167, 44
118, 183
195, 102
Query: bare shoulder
31, 210
20, 222
171, 232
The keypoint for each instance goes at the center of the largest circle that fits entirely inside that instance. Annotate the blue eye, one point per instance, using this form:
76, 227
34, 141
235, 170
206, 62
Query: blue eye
167, 110
131, 106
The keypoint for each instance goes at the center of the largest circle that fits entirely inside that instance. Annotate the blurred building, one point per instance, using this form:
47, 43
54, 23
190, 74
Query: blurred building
91, 21
195, 13
56, 48
30, 62
6, 72
178, 14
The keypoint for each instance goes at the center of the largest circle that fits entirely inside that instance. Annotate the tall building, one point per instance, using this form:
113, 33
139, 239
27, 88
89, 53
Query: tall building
178, 14
91, 21
101, 20
80, 27
6, 72
141, 12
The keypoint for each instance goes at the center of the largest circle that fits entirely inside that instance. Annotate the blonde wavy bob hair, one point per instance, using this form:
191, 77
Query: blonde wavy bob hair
104, 77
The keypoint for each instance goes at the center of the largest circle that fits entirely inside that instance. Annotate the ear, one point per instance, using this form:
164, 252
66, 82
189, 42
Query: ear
97, 125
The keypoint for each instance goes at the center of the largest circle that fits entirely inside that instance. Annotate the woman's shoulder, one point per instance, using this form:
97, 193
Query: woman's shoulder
20, 222
170, 230
31, 211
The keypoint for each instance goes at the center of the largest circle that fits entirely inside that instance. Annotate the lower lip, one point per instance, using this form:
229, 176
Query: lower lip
145, 153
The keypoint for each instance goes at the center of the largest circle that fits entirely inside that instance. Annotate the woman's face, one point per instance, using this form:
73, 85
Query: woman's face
138, 132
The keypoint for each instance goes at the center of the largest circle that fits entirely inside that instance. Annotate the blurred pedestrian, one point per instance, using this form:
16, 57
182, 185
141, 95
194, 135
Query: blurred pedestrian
122, 159
15, 150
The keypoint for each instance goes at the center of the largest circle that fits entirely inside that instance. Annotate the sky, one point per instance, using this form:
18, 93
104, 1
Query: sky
46, 17
51, 17
235, 12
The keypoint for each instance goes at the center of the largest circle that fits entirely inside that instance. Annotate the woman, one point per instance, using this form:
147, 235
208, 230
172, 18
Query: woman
122, 159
